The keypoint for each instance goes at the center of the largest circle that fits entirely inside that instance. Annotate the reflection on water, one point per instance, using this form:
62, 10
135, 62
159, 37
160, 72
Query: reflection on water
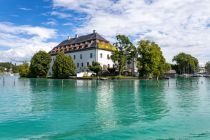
105, 108
129, 109
188, 94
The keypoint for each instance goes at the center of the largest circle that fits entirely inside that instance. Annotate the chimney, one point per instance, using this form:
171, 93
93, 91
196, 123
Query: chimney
94, 31
69, 38
76, 35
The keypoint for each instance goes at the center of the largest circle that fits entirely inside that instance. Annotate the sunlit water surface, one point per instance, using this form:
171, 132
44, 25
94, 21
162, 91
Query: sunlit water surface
128, 109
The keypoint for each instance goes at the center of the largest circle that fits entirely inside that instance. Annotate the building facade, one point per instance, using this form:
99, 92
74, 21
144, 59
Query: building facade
84, 50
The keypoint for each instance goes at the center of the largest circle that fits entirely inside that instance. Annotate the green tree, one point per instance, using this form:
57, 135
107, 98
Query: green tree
8, 67
1, 69
207, 67
95, 67
15, 69
186, 63
119, 58
124, 54
24, 70
151, 62
40, 64
63, 66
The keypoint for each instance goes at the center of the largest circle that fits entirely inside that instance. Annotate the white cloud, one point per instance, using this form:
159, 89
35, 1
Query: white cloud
60, 14
68, 24
25, 9
40, 32
176, 25
24, 41
51, 22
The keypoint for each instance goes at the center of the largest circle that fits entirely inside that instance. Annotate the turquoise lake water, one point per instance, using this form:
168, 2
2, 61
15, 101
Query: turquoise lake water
128, 109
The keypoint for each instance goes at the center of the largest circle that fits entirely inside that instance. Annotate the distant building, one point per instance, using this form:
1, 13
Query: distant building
84, 50
201, 70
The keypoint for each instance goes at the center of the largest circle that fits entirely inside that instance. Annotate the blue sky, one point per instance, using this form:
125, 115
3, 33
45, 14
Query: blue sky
27, 26
39, 13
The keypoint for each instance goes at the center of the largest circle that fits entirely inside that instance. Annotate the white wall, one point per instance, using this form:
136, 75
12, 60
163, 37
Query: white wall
85, 58
104, 61
96, 56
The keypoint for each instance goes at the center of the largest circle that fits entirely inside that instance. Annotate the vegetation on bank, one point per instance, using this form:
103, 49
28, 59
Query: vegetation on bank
185, 64
207, 67
95, 67
63, 66
40, 64
8, 67
24, 70
151, 62
125, 53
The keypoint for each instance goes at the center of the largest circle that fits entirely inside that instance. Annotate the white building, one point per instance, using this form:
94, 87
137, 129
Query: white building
84, 50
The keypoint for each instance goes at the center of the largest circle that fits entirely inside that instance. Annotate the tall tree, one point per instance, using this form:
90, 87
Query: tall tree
40, 64
95, 67
186, 63
150, 61
207, 67
124, 54
63, 66
24, 70
120, 59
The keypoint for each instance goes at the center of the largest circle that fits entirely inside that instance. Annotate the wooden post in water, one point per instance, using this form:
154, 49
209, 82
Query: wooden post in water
62, 82
3, 81
146, 83
168, 82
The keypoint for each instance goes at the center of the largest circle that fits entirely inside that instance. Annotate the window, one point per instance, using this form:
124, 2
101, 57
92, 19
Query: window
88, 64
108, 57
101, 55
81, 64
77, 65
91, 55
80, 56
74, 57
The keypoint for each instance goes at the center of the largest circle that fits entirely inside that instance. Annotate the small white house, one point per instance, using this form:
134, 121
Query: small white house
84, 50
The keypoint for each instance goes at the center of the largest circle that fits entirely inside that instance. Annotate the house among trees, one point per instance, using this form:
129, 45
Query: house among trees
84, 50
